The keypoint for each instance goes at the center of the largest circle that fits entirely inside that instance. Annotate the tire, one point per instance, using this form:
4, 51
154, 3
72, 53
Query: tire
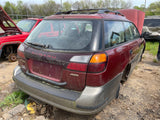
117, 93
140, 58
142, 54
126, 74
12, 57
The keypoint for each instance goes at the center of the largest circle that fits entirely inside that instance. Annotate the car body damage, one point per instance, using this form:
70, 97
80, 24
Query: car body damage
7, 25
12, 35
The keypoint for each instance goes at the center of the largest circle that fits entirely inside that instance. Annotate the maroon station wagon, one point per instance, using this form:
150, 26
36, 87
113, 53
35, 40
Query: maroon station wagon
76, 60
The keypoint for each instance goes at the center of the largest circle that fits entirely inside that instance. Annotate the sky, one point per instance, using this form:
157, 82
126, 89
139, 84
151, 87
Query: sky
135, 2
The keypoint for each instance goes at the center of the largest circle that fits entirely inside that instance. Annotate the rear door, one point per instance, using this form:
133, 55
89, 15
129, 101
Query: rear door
116, 47
132, 37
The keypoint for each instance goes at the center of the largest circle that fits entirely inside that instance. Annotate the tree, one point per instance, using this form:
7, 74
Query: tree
115, 4
84, 4
153, 9
9, 7
142, 7
100, 4
66, 6
46, 9
76, 6
107, 4
19, 8
125, 5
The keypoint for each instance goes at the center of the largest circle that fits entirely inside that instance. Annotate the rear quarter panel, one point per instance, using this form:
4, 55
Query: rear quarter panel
118, 58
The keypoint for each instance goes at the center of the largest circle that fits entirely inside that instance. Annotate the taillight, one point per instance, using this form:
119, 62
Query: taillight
21, 57
79, 63
20, 51
97, 63
77, 67
94, 64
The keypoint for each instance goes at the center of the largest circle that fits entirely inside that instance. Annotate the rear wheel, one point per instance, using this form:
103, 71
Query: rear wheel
10, 52
12, 57
142, 54
117, 94
126, 74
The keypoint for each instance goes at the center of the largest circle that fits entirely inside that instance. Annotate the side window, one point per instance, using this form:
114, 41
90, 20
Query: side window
134, 31
128, 31
114, 33
131, 31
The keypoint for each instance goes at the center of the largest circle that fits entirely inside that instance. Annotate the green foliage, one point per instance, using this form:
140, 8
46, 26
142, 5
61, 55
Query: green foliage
142, 7
66, 6
50, 7
155, 60
13, 99
152, 47
154, 9
9, 7
16, 20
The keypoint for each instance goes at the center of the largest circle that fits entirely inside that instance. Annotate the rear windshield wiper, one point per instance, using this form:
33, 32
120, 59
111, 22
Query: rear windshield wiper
40, 45
36, 44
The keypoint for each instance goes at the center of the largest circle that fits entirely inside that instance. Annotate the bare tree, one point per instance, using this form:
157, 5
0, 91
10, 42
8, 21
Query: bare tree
115, 4
125, 5
107, 3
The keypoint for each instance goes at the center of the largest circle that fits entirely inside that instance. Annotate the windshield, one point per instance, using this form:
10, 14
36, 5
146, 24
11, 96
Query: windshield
152, 22
26, 25
62, 34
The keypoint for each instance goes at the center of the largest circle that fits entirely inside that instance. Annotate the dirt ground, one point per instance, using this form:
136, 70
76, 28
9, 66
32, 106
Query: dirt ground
139, 97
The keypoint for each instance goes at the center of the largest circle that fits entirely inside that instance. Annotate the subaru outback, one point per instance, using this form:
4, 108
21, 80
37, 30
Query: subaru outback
75, 60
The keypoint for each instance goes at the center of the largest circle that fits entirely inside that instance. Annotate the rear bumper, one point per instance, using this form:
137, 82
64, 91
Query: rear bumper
91, 100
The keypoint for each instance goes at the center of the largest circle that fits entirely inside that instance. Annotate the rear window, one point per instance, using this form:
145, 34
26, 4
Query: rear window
63, 34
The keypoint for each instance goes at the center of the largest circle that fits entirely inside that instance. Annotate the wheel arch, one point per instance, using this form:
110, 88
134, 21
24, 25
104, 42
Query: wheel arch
14, 45
126, 73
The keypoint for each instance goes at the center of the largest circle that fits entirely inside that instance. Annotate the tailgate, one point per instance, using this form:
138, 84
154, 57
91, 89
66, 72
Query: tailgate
51, 67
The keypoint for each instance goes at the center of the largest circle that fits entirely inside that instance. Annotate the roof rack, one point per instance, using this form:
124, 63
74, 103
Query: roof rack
90, 11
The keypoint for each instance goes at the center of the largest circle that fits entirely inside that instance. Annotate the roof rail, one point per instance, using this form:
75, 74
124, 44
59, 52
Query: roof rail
90, 11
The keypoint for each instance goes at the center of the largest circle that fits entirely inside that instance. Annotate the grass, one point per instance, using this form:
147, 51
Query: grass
152, 47
155, 60
13, 99
16, 20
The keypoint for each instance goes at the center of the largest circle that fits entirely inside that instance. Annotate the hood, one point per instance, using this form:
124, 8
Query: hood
135, 16
7, 24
